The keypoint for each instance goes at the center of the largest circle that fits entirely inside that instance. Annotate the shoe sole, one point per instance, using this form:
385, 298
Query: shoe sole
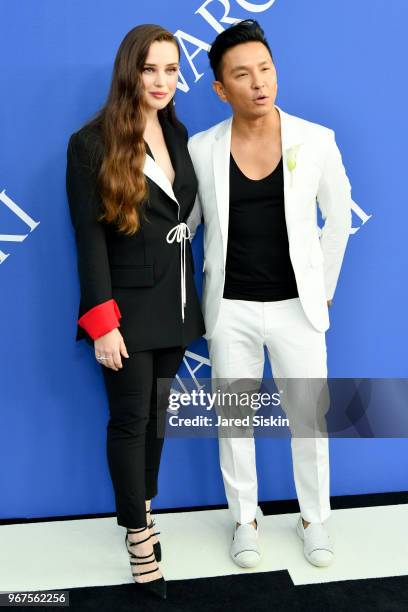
319, 564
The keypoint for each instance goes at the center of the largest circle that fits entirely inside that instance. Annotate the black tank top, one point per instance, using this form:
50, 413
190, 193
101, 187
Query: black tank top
258, 266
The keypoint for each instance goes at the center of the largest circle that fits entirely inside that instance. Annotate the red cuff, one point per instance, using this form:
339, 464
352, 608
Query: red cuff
101, 319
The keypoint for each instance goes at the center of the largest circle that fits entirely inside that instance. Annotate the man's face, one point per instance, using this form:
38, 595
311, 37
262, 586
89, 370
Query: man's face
249, 81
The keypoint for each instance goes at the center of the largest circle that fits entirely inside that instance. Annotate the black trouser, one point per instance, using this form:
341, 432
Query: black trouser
136, 411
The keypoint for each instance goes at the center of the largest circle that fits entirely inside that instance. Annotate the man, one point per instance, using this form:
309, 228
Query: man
268, 279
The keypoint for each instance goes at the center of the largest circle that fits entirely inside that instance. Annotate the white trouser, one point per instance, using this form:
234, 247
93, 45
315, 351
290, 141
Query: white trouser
296, 351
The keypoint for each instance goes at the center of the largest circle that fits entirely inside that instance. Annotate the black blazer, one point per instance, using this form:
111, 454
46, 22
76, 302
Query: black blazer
141, 272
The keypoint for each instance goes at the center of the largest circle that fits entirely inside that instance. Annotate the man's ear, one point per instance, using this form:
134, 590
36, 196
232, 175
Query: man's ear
218, 87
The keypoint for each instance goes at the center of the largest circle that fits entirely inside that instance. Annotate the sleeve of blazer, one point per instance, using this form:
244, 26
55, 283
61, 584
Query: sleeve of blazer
334, 198
100, 312
196, 215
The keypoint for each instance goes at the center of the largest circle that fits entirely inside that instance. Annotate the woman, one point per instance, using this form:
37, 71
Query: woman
131, 185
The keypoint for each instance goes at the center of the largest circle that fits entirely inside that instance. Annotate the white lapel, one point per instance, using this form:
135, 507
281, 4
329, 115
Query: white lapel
221, 166
292, 140
290, 137
158, 176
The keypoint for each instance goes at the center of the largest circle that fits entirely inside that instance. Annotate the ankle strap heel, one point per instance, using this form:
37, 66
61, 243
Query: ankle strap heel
155, 587
156, 546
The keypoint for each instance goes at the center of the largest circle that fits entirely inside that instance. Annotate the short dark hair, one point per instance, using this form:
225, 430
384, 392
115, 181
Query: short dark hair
245, 31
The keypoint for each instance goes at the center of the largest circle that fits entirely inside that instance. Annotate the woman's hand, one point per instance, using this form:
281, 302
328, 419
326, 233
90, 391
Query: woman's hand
109, 348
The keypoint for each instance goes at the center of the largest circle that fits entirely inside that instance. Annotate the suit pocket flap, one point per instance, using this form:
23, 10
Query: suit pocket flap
132, 276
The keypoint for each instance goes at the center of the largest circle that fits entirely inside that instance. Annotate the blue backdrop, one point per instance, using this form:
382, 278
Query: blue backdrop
340, 63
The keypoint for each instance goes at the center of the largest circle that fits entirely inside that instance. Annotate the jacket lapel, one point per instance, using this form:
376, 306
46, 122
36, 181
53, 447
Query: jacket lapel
221, 168
172, 139
292, 141
291, 138
152, 170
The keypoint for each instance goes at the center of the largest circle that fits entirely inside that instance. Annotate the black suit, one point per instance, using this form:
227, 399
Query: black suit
142, 275
142, 272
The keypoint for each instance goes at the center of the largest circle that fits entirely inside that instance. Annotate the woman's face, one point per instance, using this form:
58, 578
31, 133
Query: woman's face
160, 74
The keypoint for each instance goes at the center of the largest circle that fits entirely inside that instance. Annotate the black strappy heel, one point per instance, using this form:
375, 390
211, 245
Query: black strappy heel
156, 546
156, 587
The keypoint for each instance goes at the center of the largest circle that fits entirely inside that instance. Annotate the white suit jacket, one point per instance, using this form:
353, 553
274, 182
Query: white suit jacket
318, 177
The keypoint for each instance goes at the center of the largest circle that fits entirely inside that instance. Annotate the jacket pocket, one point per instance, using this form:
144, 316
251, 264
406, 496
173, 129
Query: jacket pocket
132, 276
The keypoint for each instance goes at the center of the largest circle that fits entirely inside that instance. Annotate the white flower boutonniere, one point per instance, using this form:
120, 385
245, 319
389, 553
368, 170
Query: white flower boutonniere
291, 155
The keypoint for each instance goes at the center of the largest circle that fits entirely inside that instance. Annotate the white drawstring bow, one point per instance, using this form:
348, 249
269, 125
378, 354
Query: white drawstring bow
180, 233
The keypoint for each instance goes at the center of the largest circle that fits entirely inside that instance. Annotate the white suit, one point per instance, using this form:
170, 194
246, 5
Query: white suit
319, 173
292, 330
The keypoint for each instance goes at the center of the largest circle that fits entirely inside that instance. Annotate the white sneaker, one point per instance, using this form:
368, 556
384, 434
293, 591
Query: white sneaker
245, 550
317, 547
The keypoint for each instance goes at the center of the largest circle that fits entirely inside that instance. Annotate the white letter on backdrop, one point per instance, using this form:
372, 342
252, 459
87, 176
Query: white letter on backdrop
23, 216
200, 44
255, 8
205, 13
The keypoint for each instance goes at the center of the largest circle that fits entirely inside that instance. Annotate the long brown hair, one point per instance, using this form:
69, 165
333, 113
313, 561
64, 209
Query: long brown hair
121, 182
